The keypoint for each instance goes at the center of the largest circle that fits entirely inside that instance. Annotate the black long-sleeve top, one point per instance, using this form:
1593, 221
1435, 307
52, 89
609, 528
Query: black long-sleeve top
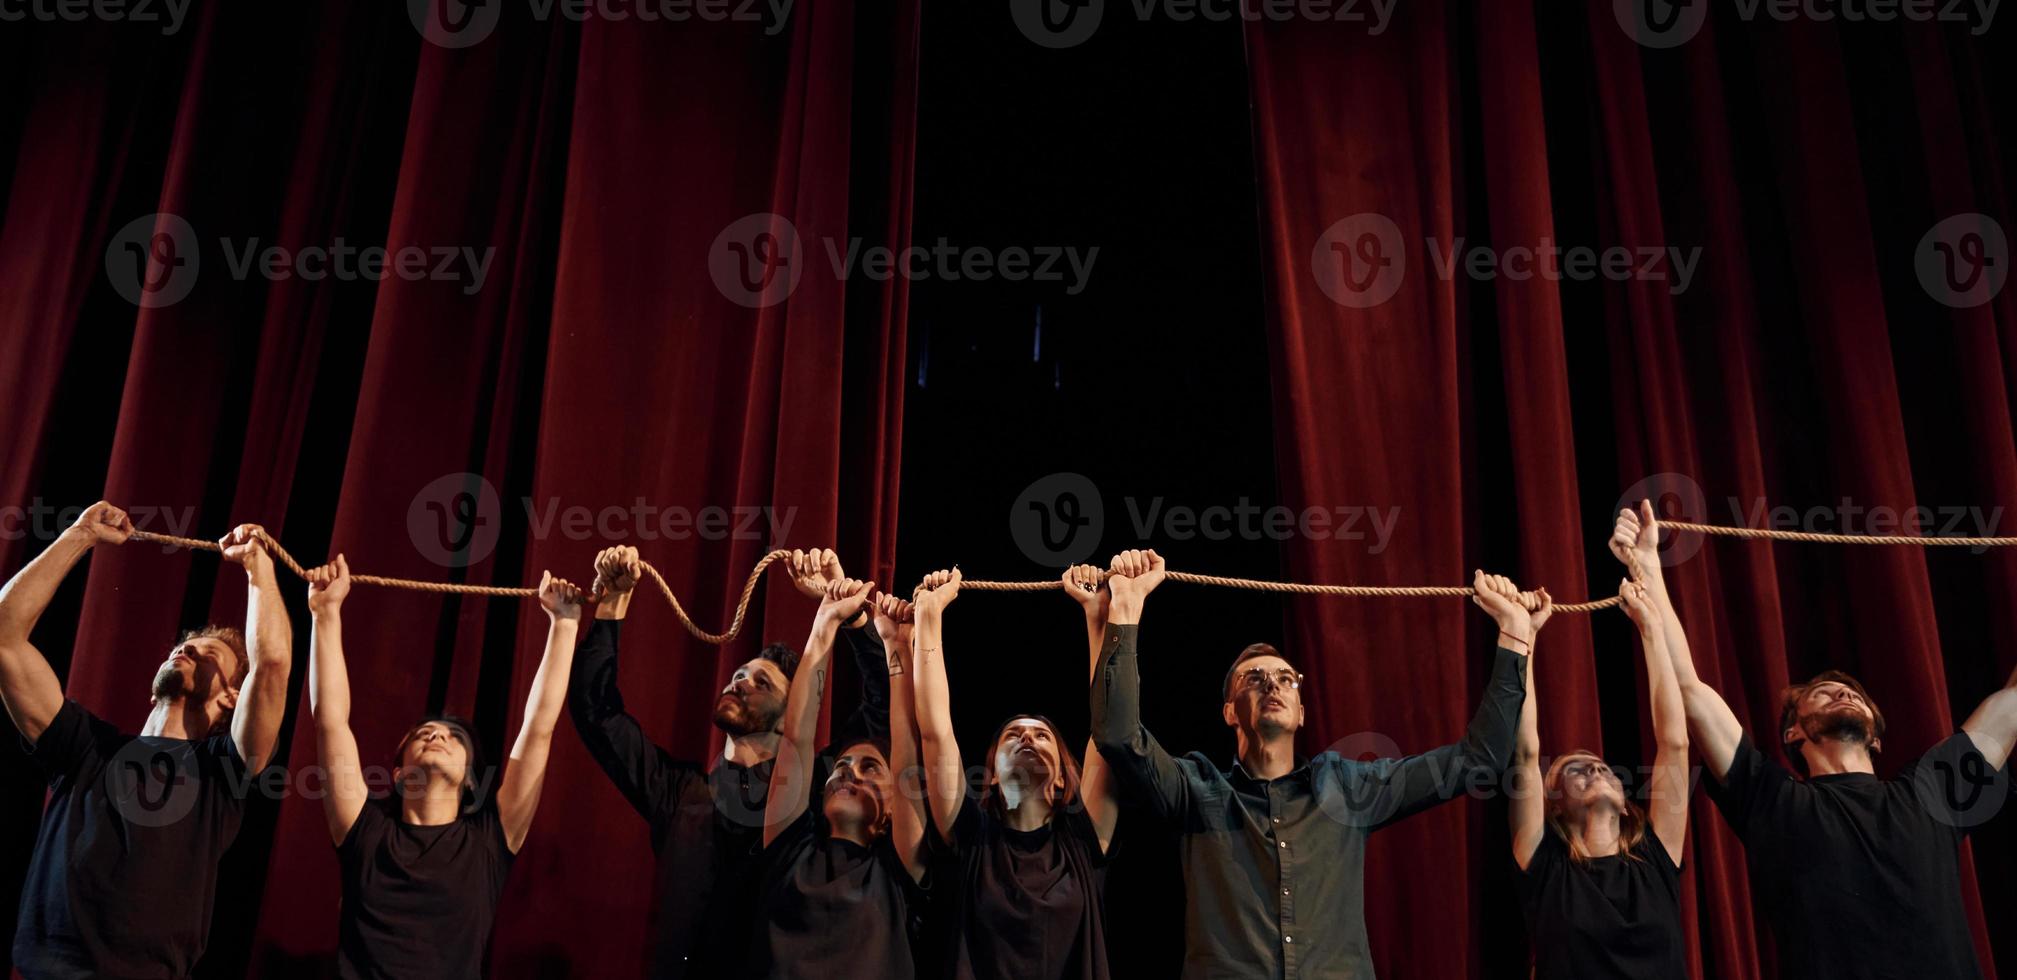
706, 825
1275, 869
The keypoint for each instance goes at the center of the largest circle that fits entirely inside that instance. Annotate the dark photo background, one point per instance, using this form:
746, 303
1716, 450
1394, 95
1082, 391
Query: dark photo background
1199, 366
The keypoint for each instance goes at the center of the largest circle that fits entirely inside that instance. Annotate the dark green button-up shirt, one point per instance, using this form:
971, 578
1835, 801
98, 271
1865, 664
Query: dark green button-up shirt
1274, 870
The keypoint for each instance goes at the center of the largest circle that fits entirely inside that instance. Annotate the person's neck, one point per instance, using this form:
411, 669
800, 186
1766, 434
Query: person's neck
1834, 757
857, 833
437, 802
1027, 807
177, 718
1268, 756
749, 750
1599, 831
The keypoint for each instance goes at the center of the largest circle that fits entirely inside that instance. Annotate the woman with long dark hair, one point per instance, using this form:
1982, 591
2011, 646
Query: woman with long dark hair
1599, 872
842, 878
1026, 862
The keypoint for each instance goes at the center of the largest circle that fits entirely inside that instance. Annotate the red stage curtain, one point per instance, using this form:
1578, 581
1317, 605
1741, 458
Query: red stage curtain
598, 366
1804, 365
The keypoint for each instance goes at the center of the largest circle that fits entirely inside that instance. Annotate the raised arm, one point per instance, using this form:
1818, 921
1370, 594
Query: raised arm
1396, 788
28, 685
1667, 807
812, 571
1096, 785
525, 772
269, 637
791, 774
893, 622
1715, 728
329, 700
643, 772
1136, 757
945, 776
1993, 726
1527, 810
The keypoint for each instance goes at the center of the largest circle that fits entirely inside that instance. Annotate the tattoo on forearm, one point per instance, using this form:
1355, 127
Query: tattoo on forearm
895, 664
819, 683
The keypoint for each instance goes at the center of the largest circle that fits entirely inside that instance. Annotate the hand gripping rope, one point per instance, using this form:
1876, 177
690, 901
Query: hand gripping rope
1258, 585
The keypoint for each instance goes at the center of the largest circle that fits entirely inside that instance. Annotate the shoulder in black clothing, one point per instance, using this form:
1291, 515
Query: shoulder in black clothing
419, 900
125, 868
1617, 916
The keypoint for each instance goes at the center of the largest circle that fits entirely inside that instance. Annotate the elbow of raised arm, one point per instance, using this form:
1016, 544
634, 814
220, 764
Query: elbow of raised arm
13, 626
1672, 738
1113, 741
1998, 714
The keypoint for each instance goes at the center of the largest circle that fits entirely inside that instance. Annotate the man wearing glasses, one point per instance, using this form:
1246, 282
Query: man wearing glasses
1274, 850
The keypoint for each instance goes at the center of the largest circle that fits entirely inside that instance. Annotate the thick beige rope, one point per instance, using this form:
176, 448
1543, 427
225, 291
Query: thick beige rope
1259, 585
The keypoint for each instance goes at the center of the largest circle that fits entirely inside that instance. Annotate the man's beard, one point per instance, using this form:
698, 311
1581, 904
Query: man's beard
169, 684
733, 716
1844, 724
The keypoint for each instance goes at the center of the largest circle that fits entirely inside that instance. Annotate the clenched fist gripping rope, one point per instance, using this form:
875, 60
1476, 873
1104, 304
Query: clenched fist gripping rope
1259, 585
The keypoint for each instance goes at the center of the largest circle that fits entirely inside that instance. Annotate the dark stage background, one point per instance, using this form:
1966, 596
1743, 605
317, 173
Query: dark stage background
1201, 365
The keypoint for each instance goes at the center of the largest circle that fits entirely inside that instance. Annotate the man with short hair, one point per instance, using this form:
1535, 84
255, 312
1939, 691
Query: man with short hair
707, 822
1274, 849
1857, 876
125, 866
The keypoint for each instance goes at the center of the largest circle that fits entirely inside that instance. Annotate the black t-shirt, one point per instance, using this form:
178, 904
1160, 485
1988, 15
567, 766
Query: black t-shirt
125, 866
1614, 917
1027, 903
1859, 877
706, 825
835, 910
418, 901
